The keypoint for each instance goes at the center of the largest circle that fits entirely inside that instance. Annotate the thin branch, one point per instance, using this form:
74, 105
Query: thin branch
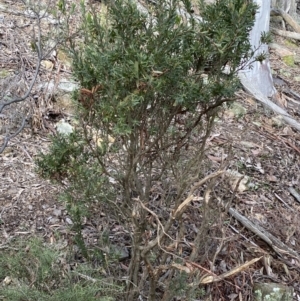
33, 81
206, 279
39, 54
156, 217
26, 95
190, 197
179, 210
7, 138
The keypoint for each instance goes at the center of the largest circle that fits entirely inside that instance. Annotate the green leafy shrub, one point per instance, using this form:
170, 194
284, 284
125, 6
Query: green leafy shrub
152, 83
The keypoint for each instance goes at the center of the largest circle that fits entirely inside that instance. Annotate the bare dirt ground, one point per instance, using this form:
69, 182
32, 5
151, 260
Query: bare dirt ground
264, 149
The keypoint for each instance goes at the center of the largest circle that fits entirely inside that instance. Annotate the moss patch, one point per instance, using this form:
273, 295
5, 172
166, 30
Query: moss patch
289, 60
290, 43
4, 73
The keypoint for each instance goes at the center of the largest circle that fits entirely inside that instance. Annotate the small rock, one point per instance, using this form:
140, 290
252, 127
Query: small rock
64, 58
67, 86
237, 110
297, 59
53, 220
7, 281
57, 212
277, 121
4, 73
64, 128
69, 221
121, 253
285, 73
48, 87
272, 291
271, 178
297, 78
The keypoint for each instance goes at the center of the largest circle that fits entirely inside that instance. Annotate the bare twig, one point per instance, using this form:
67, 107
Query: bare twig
7, 138
180, 209
234, 271
156, 217
40, 56
281, 200
8, 101
190, 197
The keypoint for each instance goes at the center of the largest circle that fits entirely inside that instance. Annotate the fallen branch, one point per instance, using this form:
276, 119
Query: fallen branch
287, 18
286, 34
234, 271
279, 247
251, 87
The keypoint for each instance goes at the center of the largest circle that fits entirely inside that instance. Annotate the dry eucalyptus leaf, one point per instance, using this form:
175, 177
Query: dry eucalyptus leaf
47, 64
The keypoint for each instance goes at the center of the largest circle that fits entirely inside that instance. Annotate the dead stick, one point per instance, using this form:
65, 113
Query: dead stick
286, 34
279, 247
294, 193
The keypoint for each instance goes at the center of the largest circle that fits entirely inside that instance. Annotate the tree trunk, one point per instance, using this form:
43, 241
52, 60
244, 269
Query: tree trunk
282, 4
259, 73
289, 6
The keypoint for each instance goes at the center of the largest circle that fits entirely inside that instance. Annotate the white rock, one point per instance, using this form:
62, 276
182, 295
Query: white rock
69, 221
64, 128
67, 86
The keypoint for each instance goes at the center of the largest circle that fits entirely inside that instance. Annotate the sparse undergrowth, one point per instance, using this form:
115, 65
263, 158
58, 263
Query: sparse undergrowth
31, 270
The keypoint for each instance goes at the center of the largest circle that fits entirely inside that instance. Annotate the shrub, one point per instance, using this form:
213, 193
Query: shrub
152, 83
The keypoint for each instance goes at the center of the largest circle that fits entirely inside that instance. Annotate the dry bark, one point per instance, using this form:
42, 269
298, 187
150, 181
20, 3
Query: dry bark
286, 34
287, 18
260, 72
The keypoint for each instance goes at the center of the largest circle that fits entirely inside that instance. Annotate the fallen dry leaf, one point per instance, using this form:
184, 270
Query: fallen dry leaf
47, 64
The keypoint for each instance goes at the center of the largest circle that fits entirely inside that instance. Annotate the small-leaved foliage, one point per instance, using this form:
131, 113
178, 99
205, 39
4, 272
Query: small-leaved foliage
152, 82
